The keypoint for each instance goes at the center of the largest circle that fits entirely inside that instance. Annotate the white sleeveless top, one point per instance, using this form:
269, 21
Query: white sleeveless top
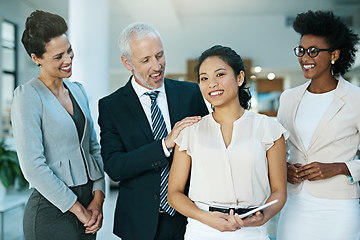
236, 175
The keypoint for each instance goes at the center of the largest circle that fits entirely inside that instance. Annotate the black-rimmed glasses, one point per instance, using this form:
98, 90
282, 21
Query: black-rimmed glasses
311, 51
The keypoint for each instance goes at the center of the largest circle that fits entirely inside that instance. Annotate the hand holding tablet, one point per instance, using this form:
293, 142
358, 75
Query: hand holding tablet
258, 209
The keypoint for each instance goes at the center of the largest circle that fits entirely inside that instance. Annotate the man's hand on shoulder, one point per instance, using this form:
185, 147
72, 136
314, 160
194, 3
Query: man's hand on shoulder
186, 122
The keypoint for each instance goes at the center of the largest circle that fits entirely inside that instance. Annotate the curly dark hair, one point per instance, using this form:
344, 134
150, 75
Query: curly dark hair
336, 33
231, 58
40, 28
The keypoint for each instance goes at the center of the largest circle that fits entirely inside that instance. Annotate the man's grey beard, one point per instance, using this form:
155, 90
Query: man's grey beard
141, 79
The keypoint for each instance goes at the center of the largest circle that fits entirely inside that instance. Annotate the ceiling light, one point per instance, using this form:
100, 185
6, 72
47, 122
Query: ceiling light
257, 69
271, 76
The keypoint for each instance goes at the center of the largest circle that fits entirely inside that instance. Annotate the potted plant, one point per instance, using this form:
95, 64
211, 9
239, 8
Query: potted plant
10, 172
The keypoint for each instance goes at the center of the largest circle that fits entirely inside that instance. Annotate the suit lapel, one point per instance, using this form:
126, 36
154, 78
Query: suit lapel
80, 99
135, 108
341, 90
292, 112
77, 94
50, 99
173, 101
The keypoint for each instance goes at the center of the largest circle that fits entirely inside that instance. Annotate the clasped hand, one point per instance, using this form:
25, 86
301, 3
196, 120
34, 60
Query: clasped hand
91, 216
95, 223
313, 171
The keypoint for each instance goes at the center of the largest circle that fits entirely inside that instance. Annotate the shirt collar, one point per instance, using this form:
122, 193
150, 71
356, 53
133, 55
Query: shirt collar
140, 90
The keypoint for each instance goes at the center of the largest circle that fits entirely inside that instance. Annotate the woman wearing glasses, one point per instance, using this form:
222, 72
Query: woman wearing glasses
323, 118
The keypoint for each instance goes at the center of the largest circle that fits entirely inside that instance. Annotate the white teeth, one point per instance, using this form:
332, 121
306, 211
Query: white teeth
215, 93
309, 66
155, 75
66, 68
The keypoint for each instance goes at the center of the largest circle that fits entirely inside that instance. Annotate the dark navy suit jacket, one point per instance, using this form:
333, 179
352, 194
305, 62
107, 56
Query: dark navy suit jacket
132, 157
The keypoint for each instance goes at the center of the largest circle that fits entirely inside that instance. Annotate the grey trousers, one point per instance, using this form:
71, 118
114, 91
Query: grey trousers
44, 221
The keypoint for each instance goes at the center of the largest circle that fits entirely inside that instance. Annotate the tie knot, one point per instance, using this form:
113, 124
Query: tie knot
153, 95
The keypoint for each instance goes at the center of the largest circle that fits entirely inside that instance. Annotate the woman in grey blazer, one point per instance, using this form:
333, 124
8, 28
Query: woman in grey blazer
56, 143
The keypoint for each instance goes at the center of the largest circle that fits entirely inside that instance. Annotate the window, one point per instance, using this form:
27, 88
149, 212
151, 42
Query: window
8, 73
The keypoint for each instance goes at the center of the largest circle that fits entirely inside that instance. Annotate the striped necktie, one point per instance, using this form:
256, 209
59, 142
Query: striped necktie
160, 132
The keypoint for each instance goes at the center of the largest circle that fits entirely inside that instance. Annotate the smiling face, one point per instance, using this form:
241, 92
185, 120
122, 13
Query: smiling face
56, 62
319, 66
218, 83
147, 61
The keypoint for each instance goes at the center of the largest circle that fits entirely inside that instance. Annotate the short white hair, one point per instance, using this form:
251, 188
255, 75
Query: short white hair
138, 30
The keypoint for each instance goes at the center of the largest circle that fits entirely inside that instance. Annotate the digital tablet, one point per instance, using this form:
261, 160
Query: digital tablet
258, 209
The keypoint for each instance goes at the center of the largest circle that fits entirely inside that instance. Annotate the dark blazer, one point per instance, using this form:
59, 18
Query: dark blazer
132, 157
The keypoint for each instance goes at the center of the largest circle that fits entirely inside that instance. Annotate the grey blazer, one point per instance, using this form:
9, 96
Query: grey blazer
47, 143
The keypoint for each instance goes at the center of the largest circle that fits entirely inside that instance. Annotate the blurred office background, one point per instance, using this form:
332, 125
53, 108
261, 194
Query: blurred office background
259, 30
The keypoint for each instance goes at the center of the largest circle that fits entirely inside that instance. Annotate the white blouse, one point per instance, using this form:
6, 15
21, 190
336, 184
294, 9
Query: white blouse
314, 105
236, 175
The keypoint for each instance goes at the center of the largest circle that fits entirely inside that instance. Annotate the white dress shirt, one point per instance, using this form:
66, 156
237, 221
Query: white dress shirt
146, 104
